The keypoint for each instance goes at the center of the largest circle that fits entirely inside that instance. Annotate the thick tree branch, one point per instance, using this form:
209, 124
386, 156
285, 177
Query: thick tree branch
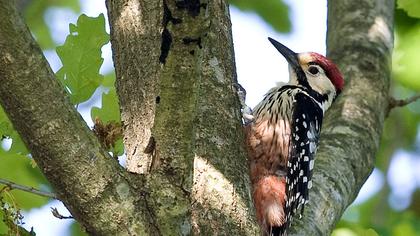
12, 185
91, 184
136, 29
361, 44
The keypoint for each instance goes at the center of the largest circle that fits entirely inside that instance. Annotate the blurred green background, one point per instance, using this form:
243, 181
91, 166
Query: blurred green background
392, 205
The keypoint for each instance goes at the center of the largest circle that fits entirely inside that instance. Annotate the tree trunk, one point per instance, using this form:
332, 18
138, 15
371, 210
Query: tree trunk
360, 41
175, 79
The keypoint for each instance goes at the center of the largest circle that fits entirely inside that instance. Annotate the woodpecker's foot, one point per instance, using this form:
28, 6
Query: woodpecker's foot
246, 111
247, 116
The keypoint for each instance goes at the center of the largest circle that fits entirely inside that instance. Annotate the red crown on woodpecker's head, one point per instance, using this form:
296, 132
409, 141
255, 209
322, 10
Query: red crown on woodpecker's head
297, 60
330, 69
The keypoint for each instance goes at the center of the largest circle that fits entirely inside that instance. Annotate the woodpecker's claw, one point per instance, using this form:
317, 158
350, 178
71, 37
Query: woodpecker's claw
246, 111
246, 115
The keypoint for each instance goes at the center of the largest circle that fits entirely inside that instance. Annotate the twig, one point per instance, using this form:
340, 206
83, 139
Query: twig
57, 214
12, 185
393, 103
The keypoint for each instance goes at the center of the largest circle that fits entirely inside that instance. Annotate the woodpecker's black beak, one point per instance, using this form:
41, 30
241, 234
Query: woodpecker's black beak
293, 60
290, 55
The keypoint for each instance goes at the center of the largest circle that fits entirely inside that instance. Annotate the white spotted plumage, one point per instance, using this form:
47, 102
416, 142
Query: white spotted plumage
283, 138
307, 117
277, 104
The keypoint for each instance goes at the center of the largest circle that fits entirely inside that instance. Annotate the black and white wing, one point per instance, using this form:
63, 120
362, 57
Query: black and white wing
306, 125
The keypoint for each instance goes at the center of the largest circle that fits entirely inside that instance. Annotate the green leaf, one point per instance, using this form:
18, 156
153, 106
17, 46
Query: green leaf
76, 229
118, 149
18, 169
110, 110
412, 7
403, 22
34, 17
109, 80
370, 232
3, 227
81, 57
274, 12
406, 59
353, 230
343, 232
404, 229
7, 130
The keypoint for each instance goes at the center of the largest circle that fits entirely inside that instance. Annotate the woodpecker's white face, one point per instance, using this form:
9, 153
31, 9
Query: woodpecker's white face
312, 71
316, 76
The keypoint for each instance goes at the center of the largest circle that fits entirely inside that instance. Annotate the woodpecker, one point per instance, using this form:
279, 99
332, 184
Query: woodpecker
283, 137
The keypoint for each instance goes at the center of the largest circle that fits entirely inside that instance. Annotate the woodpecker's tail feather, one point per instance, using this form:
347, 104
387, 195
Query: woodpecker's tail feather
278, 231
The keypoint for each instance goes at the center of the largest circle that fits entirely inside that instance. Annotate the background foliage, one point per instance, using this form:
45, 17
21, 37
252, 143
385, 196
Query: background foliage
388, 212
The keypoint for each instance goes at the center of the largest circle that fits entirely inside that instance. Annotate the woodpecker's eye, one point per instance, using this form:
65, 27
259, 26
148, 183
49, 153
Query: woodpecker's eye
313, 70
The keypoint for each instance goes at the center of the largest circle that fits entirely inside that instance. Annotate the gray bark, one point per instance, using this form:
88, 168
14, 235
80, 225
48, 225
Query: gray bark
136, 29
175, 79
92, 185
360, 42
